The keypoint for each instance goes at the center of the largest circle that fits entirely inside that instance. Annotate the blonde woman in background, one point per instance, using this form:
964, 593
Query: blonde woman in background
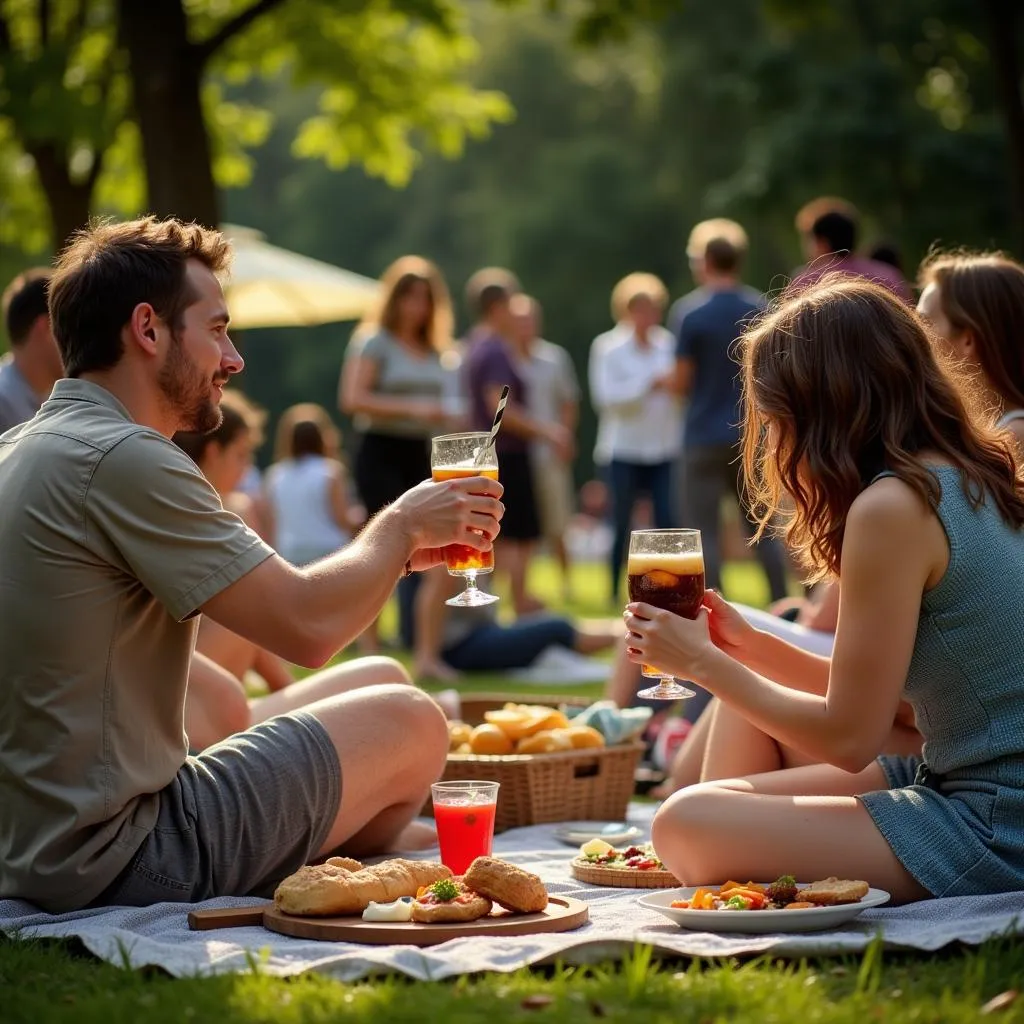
400, 384
632, 388
307, 487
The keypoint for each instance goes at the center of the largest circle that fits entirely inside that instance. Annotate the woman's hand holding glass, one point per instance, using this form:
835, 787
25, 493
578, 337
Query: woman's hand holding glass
681, 646
729, 630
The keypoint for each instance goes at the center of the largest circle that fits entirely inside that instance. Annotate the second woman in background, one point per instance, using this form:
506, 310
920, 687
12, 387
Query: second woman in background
398, 383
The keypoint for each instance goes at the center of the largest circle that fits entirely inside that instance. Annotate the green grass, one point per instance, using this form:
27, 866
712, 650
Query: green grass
47, 982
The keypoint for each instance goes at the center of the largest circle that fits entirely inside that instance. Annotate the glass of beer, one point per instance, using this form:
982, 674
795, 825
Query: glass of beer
454, 456
666, 569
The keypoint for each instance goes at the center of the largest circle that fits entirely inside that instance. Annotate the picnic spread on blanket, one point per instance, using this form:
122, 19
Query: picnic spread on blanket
617, 919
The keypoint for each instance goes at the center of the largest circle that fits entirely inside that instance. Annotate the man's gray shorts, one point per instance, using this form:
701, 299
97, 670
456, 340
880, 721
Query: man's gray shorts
238, 817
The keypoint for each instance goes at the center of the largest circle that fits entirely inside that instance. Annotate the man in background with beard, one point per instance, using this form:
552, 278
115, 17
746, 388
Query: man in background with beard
111, 543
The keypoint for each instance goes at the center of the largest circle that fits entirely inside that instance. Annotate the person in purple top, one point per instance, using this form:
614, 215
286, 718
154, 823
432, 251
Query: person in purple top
829, 228
492, 360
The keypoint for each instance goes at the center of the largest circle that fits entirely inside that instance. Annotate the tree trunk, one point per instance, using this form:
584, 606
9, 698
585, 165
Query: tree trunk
167, 70
1004, 28
68, 201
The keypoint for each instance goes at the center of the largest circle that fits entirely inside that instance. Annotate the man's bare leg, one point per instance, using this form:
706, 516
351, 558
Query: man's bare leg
392, 743
329, 682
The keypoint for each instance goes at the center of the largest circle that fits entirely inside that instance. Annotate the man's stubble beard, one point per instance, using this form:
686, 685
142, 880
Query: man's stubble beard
187, 391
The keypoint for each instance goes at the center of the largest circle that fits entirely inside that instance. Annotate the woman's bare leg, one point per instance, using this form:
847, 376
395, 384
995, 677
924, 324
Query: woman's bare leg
805, 822
215, 703
689, 760
735, 748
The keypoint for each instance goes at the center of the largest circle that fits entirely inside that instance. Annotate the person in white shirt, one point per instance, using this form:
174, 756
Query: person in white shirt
307, 487
553, 396
639, 434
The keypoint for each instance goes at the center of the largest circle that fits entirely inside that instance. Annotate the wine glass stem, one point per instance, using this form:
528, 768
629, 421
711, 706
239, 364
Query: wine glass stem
470, 579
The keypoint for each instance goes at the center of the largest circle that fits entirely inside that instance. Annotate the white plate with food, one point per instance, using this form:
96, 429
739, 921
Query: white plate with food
724, 912
575, 833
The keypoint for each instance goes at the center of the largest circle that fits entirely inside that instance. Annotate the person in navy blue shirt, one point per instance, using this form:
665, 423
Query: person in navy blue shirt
707, 324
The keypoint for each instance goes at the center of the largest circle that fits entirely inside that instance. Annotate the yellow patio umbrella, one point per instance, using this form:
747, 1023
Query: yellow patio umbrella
272, 287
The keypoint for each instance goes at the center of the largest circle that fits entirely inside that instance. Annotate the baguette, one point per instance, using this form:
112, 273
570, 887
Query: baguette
326, 890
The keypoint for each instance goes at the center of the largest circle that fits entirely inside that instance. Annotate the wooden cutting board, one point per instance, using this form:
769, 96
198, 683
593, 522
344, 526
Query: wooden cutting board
562, 914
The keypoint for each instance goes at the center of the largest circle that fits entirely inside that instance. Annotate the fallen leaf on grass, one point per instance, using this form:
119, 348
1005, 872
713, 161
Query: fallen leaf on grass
537, 1002
1000, 1002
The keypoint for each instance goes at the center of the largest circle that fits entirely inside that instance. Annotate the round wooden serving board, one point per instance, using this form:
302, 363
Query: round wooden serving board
562, 914
623, 878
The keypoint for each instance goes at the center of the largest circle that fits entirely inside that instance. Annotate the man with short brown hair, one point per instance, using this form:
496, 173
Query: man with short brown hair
111, 543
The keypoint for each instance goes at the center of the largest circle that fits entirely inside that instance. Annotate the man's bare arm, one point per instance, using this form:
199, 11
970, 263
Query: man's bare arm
307, 615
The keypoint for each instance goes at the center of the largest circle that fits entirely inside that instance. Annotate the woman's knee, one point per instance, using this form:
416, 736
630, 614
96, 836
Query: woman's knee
687, 825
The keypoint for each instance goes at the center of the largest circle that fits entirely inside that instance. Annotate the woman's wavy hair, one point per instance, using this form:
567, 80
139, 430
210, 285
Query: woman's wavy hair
396, 281
982, 293
842, 382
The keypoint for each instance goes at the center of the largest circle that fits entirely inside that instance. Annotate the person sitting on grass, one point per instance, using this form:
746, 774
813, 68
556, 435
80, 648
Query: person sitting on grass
974, 304
473, 640
919, 498
217, 704
111, 542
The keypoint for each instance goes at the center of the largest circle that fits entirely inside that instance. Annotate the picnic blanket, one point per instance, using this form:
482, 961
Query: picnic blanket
159, 935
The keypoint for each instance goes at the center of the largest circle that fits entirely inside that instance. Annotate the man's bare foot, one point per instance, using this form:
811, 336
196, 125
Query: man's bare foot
434, 669
417, 835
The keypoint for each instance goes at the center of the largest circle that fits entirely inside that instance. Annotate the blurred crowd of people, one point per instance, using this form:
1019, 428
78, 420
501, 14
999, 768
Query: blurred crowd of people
664, 384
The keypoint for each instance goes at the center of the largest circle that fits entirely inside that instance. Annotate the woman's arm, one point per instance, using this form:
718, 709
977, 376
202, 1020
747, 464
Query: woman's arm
763, 652
890, 552
357, 394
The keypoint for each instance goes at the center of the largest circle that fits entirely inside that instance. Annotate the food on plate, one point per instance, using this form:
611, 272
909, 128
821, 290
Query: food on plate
458, 733
449, 901
549, 741
324, 890
512, 887
634, 858
489, 739
345, 862
399, 910
782, 890
782, 894
832, 891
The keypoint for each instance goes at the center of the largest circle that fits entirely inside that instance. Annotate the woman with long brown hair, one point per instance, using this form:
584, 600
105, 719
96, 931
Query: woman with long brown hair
975, 304
887, 476
398, 383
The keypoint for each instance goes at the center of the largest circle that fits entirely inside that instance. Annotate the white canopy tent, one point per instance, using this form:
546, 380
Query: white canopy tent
272, 287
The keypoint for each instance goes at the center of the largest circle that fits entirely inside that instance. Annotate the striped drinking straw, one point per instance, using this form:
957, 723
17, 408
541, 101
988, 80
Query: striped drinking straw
498, 413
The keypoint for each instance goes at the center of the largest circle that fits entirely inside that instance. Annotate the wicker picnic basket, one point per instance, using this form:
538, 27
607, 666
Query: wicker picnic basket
595, 784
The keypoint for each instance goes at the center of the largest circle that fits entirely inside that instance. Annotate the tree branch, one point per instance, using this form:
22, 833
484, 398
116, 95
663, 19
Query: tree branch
230, 29
44, 22
5, 35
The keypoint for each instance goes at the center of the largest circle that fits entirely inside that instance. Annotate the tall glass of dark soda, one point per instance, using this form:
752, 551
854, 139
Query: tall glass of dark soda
666, 569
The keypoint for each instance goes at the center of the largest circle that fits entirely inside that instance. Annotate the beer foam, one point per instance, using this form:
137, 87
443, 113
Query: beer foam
679, 563
470, 464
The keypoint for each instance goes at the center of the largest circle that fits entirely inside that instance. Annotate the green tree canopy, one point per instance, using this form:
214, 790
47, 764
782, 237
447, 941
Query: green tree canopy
117, 104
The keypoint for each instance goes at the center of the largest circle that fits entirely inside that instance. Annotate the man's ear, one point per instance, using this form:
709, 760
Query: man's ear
142, 327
